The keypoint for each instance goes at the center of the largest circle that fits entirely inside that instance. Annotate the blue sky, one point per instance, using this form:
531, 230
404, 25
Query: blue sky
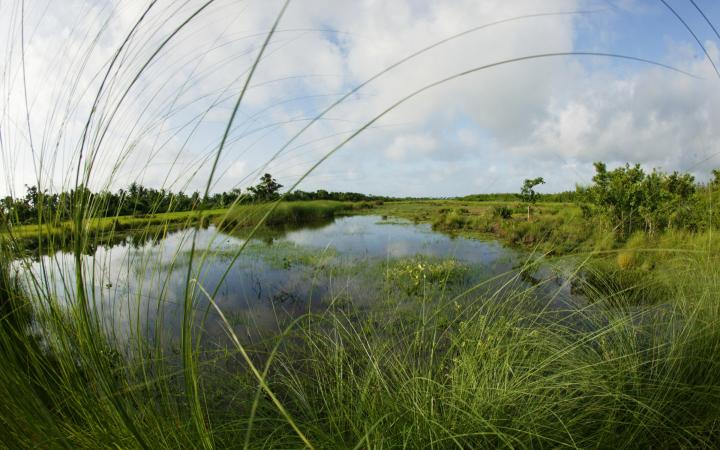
484, 132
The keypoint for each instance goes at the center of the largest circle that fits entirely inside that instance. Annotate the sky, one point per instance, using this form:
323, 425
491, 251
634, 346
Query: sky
108, 93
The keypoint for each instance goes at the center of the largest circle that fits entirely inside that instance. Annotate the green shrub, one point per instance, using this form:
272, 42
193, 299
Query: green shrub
502, 211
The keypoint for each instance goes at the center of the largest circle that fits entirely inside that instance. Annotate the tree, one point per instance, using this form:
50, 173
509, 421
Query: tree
716, 178
528, 194
632, 199
267, 190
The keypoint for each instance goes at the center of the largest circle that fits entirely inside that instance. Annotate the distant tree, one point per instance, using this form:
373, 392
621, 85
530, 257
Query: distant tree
716, 178
267, 190
194, 200
40, 205
528, 194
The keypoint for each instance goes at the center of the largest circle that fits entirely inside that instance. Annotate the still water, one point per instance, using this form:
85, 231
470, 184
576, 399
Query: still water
354, 260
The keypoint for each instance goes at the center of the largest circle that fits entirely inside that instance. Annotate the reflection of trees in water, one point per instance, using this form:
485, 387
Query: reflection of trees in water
269, 233
62, 240
284, 297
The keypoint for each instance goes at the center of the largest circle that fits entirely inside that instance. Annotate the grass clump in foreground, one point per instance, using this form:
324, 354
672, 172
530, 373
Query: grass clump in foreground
491, 379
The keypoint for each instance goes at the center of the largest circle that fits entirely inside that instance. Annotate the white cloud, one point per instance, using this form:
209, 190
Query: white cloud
485, 131
414, 146
655, 117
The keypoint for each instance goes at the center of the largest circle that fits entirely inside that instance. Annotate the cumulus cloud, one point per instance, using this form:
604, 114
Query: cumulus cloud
655, 117
483, 132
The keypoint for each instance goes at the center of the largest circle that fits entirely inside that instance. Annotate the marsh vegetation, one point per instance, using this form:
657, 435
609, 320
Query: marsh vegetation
272, 317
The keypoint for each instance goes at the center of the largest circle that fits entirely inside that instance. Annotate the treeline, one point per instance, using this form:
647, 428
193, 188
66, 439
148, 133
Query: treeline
559, 197
337, 196
138, 200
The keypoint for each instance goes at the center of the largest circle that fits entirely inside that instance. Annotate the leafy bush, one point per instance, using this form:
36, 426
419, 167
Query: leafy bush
502, 211
451, 219
634, 200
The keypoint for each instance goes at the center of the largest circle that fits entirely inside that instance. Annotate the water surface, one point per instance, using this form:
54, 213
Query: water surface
360, 260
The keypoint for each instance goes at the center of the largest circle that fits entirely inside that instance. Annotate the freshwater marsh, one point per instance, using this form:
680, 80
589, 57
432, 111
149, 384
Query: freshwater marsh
361, 261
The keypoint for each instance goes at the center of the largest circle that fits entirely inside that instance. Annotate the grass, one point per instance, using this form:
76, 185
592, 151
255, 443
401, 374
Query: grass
416, 273
636, 367
470, 371
556, 228
284, 214
99, 231
288, 213
483, 376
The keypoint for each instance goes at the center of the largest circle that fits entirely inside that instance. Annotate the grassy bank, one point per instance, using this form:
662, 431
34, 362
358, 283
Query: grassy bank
238, 220
101, 231
285, 213
637, 269
556, 228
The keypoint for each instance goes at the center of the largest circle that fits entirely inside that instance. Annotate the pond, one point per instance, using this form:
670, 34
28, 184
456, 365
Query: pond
357, 262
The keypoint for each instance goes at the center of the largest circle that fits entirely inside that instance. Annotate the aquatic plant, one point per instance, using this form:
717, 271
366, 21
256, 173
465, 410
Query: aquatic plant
413, 274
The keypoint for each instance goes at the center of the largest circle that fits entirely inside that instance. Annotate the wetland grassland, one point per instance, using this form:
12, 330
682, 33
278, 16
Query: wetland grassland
160, 288
395, 352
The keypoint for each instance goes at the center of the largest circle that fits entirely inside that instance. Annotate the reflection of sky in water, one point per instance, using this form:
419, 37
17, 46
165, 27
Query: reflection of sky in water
365, 236
148, 281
